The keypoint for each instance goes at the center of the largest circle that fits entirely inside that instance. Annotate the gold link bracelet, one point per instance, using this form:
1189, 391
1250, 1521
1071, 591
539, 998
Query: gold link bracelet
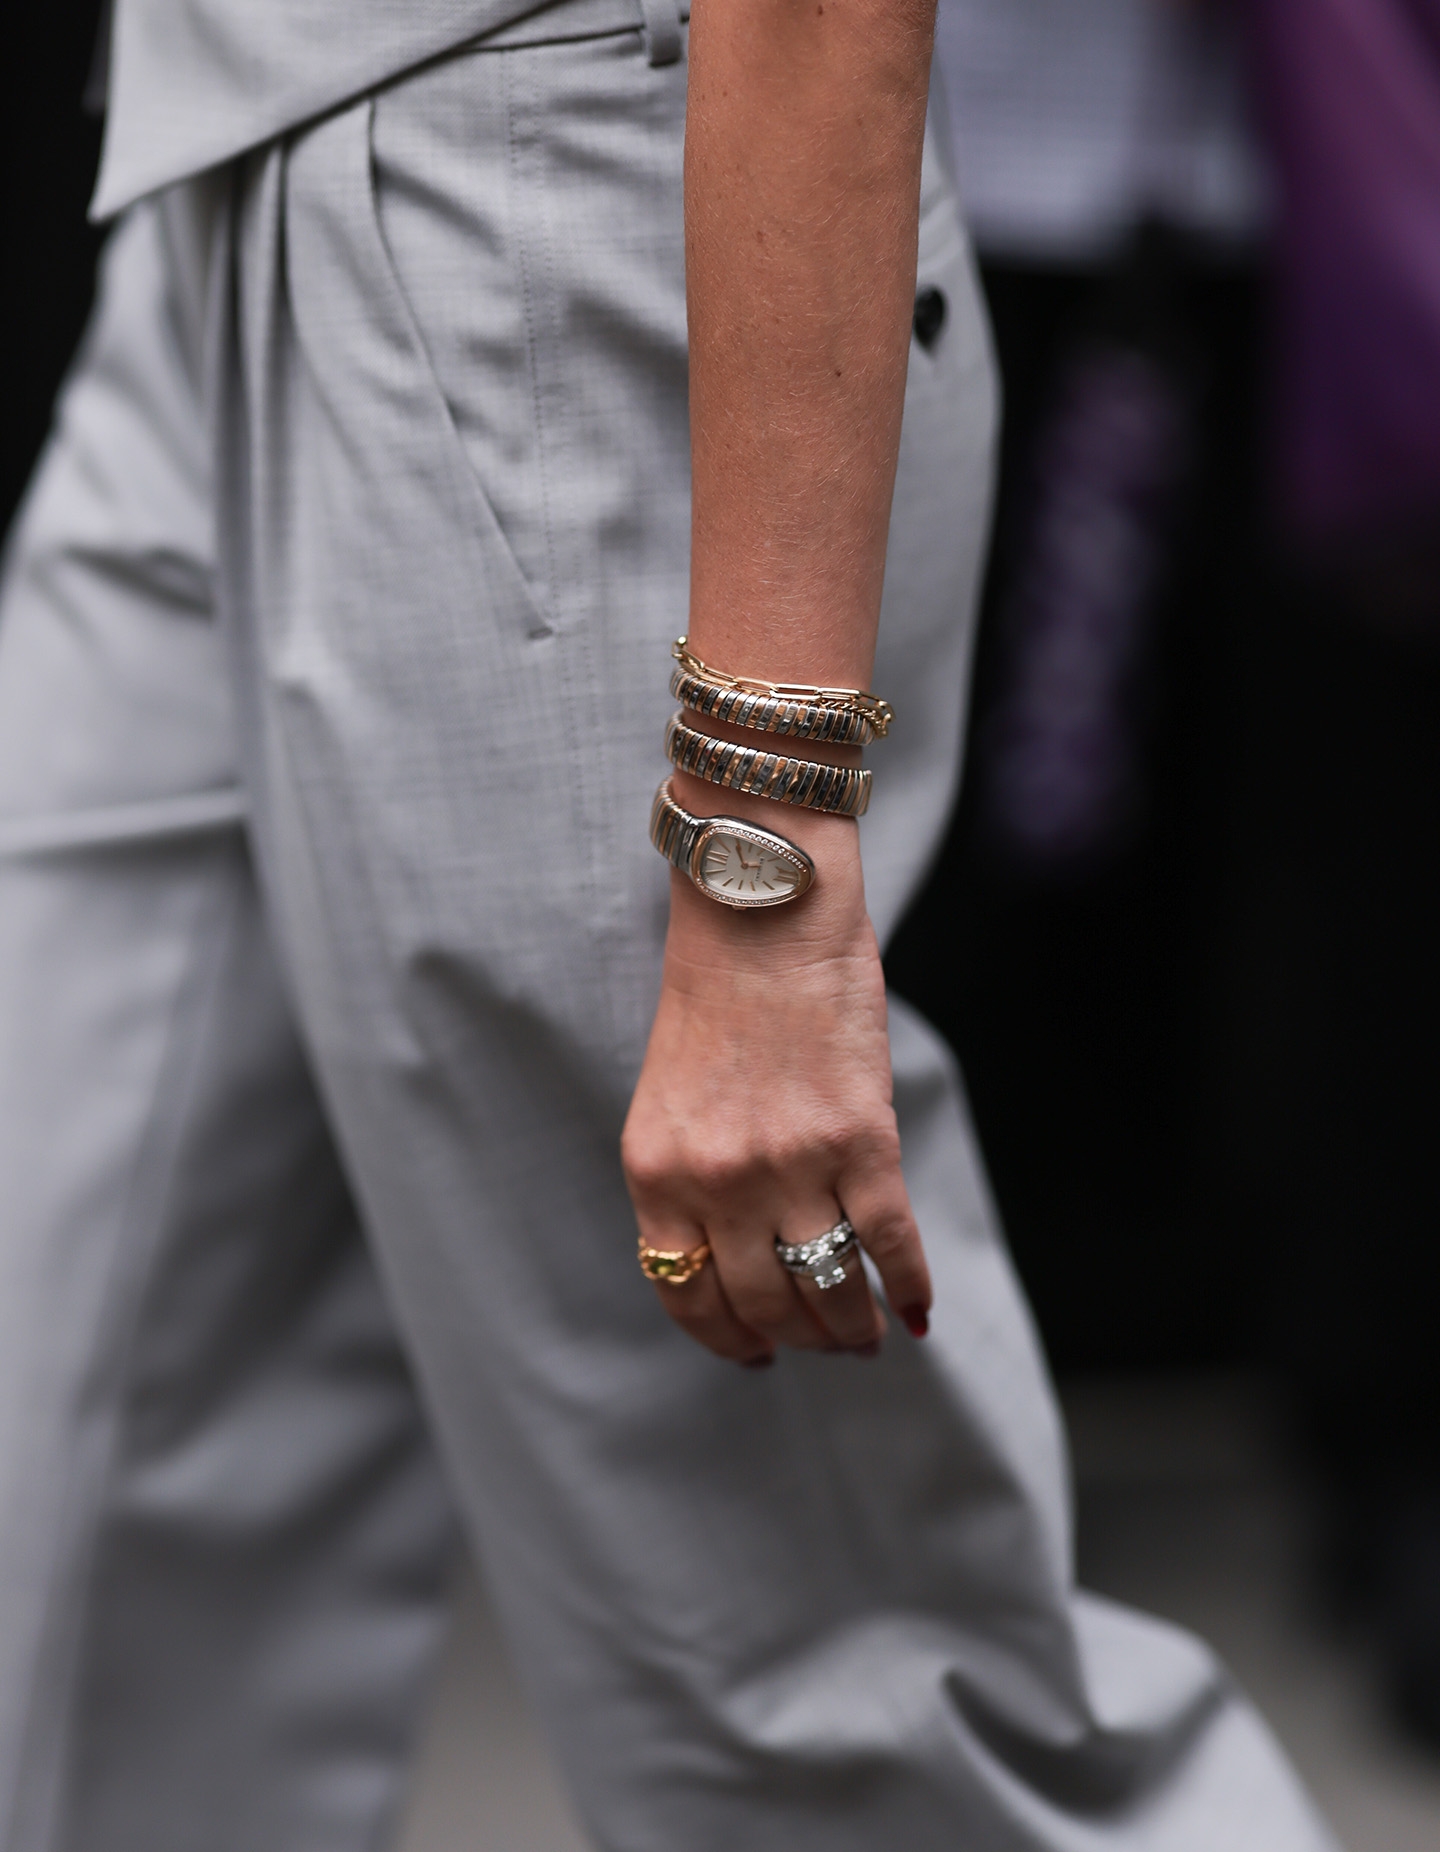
843, 716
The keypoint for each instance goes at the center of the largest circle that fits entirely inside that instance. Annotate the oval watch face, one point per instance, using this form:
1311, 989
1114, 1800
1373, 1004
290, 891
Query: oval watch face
743, 871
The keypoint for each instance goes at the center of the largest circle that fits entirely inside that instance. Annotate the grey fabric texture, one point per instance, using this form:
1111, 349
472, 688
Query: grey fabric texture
333, 662
195, 82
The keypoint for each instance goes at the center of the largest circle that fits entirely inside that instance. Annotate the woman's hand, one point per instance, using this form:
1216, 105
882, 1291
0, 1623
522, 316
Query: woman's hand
764, 1108
764, 1105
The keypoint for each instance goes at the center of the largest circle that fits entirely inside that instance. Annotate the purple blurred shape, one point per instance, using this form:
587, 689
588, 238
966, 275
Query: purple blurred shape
1350, 99
1059, 750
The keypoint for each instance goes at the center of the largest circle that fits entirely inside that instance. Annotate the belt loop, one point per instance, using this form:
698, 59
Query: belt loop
662, 30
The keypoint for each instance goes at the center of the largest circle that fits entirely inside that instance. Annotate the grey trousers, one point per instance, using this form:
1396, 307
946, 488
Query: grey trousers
332, 676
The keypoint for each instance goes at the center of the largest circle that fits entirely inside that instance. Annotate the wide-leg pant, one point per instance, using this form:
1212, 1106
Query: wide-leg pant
332, 677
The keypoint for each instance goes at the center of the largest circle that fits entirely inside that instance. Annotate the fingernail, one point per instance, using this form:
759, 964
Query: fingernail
871, 1349
916, 1320
758, 1363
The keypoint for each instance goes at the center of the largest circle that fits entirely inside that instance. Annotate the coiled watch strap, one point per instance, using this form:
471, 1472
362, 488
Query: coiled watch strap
840, 790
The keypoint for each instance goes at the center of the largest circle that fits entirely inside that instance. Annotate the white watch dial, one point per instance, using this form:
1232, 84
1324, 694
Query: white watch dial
733, 869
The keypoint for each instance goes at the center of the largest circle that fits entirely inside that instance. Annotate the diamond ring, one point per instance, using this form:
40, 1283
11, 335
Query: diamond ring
823, 1259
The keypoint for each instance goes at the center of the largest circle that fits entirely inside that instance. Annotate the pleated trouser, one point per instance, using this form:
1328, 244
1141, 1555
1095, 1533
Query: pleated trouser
332, 676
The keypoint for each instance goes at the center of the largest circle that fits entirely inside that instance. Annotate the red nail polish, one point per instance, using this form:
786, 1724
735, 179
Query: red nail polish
757, 1363
916, 1320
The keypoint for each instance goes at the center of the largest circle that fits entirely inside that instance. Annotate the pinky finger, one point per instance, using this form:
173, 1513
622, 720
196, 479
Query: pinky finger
879, 1208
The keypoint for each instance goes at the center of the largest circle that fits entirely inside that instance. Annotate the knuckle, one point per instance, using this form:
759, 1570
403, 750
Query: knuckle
891, 1240
829, 1150
732, 1175
857, 1148
648, 1166
713, 1171
832, 1135
876, 1148
688, 1171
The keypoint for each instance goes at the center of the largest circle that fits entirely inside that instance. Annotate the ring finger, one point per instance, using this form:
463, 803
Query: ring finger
847, 1309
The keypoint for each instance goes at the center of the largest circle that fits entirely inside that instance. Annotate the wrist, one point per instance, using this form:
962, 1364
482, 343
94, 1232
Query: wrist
829, 914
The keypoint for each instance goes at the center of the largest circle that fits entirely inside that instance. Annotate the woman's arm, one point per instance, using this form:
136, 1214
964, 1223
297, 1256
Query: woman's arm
764, 1104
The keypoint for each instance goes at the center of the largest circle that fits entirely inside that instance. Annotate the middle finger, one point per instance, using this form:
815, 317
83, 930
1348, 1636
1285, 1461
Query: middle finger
763, 1295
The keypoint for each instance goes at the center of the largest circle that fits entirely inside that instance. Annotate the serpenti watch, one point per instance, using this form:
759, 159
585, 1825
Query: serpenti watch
733, 862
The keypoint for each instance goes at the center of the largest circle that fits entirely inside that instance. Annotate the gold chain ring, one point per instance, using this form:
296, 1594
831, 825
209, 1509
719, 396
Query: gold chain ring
672, 1266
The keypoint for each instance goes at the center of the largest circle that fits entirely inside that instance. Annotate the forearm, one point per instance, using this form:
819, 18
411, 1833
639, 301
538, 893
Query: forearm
764, 1105
802, 177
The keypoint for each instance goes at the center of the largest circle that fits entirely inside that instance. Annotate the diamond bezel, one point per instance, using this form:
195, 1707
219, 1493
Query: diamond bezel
765, 839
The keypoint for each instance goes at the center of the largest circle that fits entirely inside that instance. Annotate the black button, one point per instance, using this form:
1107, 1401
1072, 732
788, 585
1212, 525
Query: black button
929, 316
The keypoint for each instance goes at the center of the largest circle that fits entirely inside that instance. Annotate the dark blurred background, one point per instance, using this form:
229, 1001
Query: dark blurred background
1183, 932
49, 147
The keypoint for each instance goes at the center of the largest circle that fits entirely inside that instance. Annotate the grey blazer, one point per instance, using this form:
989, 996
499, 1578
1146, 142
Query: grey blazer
195, 82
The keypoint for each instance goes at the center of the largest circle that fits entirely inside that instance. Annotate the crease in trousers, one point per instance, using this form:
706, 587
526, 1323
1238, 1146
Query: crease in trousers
333, 658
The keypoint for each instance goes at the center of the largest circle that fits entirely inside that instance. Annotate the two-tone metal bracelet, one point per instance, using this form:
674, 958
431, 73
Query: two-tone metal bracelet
840, 790
841, 716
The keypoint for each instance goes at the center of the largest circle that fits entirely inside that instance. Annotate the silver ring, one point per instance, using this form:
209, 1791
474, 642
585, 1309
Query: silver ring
821, 1260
